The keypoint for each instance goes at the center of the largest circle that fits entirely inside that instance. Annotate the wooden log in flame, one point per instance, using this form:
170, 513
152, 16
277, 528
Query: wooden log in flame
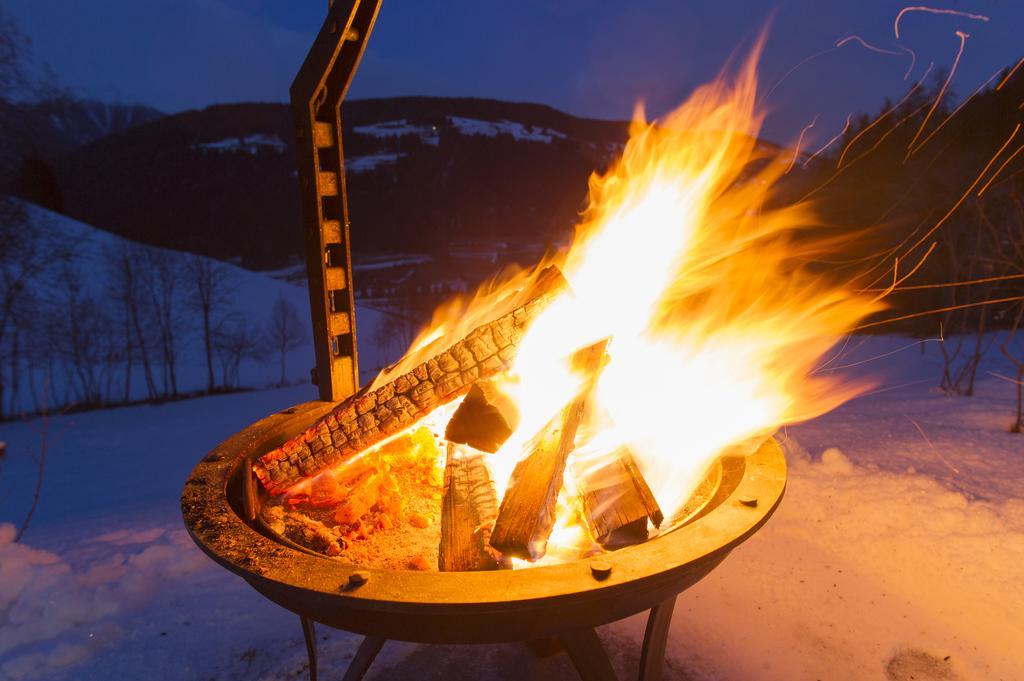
527, 512
484, 420
370, 416
468, 511
616, 500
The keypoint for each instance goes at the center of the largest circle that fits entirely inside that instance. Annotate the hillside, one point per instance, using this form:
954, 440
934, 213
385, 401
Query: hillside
68, 341
421, 176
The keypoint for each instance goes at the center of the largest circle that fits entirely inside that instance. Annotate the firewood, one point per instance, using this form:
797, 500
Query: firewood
616, 501
370, 416
468, 510
527, 511
484, 420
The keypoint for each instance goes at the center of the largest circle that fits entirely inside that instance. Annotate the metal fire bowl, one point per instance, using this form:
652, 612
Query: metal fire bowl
466, 607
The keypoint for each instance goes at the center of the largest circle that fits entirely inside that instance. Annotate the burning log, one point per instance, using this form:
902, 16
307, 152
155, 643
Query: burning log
484, 420
468, 510
527, 511
371, 416
616, 501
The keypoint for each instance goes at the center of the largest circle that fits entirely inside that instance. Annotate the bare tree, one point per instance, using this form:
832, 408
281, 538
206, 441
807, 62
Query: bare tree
285, 331
234, 340
76, 329
163, 280
211, 288
26, 252
127, 282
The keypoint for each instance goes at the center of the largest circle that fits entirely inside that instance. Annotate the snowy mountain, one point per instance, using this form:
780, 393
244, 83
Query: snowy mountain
421, 175
79, 121
54, 126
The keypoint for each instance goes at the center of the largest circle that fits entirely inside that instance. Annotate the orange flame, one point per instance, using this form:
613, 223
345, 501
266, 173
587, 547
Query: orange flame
716, 320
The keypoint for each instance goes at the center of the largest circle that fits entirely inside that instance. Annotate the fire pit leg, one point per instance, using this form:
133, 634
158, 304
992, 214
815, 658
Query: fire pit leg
309, 633
588, 655
365, 656
652, 658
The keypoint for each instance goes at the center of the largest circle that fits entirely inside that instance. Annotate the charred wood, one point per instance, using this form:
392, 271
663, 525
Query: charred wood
370, 416
527, 511
484, 420
616, 500
468, 510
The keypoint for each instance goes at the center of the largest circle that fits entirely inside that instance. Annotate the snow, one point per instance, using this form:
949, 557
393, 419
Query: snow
251, 144
362, 164
472, 126
465, 126
895, 554
385, 129
391, 260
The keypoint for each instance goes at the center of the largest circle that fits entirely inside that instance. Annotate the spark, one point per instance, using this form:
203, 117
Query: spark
951, 308
874, 146
970, 282
896, 279
933, 10
831, 141
798, 65
1005, 378
913, 271
1010, 74
955, 111
883, 355
913, 61
866, 45
969, 190
874, 48
920, 430
878, 120
963, 41
1000, 169
799, 142
839, 353
894, 387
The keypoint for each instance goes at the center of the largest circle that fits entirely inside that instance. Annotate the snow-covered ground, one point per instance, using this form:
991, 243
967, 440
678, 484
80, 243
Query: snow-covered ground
896, 554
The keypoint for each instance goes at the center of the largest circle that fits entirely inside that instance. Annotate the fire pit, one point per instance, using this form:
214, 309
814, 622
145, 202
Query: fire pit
590, 439
565, 601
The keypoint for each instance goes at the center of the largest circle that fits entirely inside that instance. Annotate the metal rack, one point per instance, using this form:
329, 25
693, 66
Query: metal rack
316, 95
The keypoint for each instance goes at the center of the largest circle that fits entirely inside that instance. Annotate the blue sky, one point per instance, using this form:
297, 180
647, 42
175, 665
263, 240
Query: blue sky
586, 57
